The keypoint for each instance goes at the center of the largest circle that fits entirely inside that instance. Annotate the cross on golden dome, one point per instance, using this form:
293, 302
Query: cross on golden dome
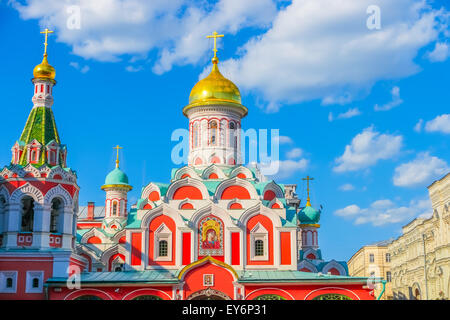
46, 31
117, 159
308, 200
215, 35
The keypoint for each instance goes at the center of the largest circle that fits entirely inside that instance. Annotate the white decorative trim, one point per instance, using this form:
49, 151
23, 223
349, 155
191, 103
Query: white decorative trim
236, 182
186, 170
150, 289
87, 289
275, 188
336, 265
149, 189
259, 233
174, 186
251, 292
213, 168
27, 190
4, 275
162, 233
31, 275
327, 288
59, 192
308, 265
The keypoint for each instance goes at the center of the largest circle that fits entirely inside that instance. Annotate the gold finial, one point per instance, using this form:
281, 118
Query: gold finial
117, 159
46, 31
308, 200
215, 35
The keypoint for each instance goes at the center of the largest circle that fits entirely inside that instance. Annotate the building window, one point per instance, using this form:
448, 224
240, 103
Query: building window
388, 276
259, 248
114, 209
34, 281
231, 138
259, 239
27, 214
163, 248
8, 281
388, 257
55, 213
195, 135
371, 257
213, 133
163, 244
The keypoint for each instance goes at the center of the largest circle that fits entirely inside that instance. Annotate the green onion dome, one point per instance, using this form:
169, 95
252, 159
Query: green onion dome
116, 178
309, 215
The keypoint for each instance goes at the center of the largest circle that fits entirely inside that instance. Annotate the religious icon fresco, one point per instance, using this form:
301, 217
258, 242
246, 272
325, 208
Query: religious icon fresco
210, 236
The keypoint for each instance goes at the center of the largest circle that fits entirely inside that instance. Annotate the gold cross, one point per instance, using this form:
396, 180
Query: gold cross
117, 159
215, 35
308, 200
46, 31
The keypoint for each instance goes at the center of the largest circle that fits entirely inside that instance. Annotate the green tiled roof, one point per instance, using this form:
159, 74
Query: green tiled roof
147, 276
42, 127
293, 276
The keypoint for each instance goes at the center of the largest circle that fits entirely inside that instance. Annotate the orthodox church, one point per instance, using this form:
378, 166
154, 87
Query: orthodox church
217, 230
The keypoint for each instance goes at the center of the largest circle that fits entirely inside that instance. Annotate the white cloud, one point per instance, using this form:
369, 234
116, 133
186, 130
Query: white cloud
439, 124
287, 168
175, 28
294, 153
418, 126
385, 211
396, 101
366, 149
347, 187
322, 49
350, 113
134, 69
77, 66
285, 140
440, 53
424, 169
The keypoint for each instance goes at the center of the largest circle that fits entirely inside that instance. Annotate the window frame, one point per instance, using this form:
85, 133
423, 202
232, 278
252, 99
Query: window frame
31, 276
163, 233
259, 233
4, 275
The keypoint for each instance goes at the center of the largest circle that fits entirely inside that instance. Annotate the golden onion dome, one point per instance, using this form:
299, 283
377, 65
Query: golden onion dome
215, 89
44, 70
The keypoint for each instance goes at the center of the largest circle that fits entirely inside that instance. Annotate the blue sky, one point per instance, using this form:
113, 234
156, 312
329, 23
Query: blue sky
311, 69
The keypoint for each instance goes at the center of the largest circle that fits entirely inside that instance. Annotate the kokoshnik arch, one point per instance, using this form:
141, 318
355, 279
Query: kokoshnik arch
216, 230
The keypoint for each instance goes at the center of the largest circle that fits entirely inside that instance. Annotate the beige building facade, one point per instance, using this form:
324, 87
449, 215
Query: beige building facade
373, 260
420, 257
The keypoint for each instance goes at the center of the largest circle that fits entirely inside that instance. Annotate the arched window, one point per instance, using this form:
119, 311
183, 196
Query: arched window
232, 135
388, 276
88, 297
213, 133
35, 283
332, 296
27, 214
269, 297
148, 297
9, 283
259, 248
114, 208
163, 250
195, 135
55, 214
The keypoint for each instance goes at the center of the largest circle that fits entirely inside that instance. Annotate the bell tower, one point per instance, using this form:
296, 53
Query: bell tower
215, 112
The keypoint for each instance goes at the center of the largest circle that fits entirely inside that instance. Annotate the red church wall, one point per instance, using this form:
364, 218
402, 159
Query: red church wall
111, 293
223, 280
136, 248
267, 224
153, 196
189, 192
269, 195
285, 246
154, 225
233, 192
308, 292
235, 248
22, 265
186, 248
